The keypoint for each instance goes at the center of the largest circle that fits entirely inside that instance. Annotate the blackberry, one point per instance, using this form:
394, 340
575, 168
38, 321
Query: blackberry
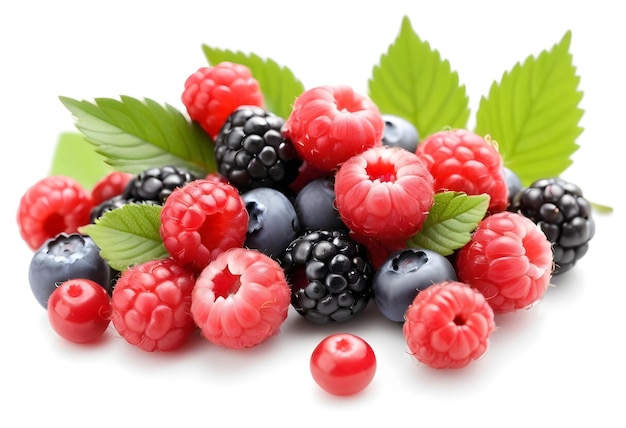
155, 184
561, 211
251, 151
330, 276
96, 212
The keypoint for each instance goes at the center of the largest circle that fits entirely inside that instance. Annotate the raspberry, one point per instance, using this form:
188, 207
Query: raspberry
240, 299
151, 303
462, 161
52, 205
329, 124
448, 325
211, 94
329, 274
112, 184
384, 193
508, 259
251, 152
202, 219
561, 211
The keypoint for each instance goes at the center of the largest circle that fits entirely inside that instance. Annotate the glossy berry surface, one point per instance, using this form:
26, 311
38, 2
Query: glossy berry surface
399, 132
151, 303
508, 259
448, 325
315, 206
272, 221
330, 276
65, 257
154, 185
79, 310
202, 219
329, 124
384, 193
240, 299
343, 364
405, 273
53, 205
211, 94
563, 214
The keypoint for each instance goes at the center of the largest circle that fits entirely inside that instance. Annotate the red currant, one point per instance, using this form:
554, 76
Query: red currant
343, 364
79, 310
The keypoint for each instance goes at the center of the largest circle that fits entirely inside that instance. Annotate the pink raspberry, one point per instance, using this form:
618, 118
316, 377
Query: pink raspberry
151, 303
384, 193
462, 161
240, 299
52, 205
508, 259
329, 124
211, 94
200, 220
448, 325
112, 184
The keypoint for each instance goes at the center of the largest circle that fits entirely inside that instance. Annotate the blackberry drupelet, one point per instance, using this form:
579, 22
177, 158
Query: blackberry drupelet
561, 211
155, 184
251, 151
112, 203
330, 276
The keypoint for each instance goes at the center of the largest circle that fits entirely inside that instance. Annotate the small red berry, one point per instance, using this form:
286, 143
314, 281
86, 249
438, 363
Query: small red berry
202, 219
460, 160
448, 325
79, 310
508, 259
384, 193
52, 205
211, 94
240, 299
110, 185
329, 124
150, 305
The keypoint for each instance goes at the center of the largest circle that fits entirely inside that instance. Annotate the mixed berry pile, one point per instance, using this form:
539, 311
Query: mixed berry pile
330, 209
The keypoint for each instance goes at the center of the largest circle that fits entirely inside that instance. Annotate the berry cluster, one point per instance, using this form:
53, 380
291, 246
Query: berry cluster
318, 210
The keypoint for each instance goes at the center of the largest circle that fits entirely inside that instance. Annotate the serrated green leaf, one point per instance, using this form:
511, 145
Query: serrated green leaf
75, 158
413, 81
450, 222
128, 235
278, 84
533, 114
134, 135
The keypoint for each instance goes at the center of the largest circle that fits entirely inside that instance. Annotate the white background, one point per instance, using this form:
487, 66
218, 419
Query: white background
558, 363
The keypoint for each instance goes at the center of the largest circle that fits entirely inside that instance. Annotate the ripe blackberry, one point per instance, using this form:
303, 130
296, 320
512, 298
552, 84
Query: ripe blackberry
155, 184
561, 211
330, 275
251, 151
105, 206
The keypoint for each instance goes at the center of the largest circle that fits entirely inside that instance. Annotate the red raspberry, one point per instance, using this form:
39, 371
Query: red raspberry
110, 185
329, 124
508, 259
211, 94
240, 299
463, 161
448, 325
52, 205
201, 219
151, 303
384, 193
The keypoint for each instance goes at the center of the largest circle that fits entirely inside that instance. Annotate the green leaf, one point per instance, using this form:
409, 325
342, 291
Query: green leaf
278, 84
74, 158
128, 235
533, 114
412, 81
450, 222
134, 135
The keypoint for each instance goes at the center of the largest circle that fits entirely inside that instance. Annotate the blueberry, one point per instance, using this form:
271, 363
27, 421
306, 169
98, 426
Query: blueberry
273, 222
315, 206
513, 183
399, 132
404, 274
65, 257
